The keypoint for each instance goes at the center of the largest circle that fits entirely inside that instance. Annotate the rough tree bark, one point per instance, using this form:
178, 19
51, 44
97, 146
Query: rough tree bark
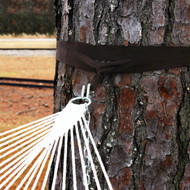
141, 122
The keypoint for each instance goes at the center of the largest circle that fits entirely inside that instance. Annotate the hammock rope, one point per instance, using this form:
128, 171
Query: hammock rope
29, 152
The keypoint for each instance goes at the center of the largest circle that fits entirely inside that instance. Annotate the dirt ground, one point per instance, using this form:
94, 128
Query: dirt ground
19, 105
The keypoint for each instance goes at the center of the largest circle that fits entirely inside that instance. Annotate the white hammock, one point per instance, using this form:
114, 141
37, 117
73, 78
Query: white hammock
27, 152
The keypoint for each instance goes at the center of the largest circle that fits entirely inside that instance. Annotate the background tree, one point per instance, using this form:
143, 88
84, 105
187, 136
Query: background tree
140, 121
26, 16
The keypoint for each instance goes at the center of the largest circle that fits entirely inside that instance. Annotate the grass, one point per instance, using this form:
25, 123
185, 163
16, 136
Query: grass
40, 67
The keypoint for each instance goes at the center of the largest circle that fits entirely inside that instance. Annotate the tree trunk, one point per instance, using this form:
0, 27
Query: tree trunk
140, 121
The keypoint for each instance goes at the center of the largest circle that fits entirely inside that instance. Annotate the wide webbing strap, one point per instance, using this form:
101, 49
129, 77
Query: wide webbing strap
120, 59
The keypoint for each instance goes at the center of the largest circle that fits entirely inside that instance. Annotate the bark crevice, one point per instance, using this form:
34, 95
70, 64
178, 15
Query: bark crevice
170, 17
182, 131
139, 136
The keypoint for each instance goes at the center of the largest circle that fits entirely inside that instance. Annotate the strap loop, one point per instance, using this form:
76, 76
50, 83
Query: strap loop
83, 97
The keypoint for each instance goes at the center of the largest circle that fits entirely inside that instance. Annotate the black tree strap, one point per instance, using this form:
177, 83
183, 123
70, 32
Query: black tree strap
120, 59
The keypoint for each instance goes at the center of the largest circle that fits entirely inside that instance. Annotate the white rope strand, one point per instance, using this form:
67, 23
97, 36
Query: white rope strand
28, 152
57, 163
18, 171
21, 163
20, 135
39, 162
42, 167
20, 146
82, 159
31, 123
90, 157
98, 155
15, 167
73, 160
32, 169
32, 146
19, 174
49, 165
26, 138
65, 162
20, 159
15, 161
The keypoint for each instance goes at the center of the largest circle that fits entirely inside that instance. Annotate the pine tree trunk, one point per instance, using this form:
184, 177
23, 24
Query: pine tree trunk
141, 122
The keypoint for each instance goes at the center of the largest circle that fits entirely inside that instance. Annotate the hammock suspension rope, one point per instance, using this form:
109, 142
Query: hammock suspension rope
29, 152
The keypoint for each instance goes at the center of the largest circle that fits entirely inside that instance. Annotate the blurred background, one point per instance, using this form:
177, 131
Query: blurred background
27, 17
27, 51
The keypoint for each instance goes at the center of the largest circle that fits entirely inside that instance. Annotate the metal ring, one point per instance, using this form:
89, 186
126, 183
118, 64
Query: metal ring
80, 98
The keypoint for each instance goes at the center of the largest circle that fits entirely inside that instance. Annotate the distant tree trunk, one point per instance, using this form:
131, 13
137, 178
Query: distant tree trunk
141, 122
